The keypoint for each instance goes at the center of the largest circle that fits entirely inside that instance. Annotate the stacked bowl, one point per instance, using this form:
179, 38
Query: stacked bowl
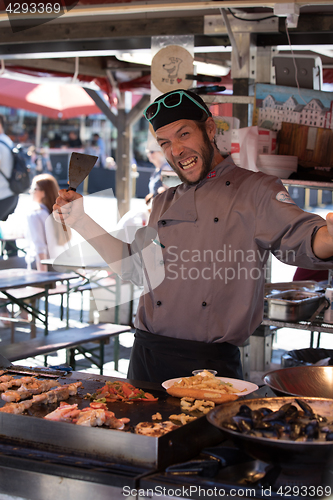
280, 165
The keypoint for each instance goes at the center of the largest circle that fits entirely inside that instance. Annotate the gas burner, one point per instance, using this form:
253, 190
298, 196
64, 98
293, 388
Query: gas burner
297, 476
240, 468
237, 470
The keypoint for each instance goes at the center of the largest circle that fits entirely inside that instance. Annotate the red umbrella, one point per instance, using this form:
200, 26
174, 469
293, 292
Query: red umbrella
48, 99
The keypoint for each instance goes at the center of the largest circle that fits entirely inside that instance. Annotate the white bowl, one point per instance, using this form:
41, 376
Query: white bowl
196, 372
280, 165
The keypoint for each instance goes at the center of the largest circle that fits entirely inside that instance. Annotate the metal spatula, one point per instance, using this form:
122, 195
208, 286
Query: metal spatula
80, 166
24, 370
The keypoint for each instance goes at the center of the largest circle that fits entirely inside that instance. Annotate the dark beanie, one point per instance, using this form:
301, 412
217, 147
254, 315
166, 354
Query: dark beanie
186, 110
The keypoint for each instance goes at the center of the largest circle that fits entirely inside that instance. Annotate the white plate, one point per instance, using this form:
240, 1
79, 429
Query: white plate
242, 386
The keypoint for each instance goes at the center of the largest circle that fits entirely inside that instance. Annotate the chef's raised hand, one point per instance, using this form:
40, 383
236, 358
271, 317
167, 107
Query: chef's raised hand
329, 222
68, 208
322, 244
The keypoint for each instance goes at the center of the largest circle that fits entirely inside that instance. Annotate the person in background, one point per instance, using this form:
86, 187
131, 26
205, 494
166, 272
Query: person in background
202, 257
8, 200
43, 162
101, 149
39, 161
93, 149
46, 238
156, 157
74, 140
55, 141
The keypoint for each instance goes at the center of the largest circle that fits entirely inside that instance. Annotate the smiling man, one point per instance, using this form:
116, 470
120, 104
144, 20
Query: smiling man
178, 138
214, 234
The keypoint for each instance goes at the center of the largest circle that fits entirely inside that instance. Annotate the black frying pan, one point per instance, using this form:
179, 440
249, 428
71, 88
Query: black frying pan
274, 450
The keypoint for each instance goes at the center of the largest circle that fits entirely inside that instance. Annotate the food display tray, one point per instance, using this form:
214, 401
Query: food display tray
293, 305
305, 286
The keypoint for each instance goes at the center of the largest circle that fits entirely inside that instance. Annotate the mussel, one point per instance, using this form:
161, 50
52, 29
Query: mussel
287, 422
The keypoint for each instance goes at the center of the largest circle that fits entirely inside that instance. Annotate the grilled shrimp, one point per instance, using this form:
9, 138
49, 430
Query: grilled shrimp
27, 390
10, 396
91, 418
16, 408
64, 413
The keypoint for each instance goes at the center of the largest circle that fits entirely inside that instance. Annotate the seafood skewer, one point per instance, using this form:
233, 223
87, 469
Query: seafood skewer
52, 396
16, 382
16, 408
27, 390
94, 416
59, 393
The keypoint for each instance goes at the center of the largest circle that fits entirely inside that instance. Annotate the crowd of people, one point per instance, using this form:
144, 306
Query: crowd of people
39, 158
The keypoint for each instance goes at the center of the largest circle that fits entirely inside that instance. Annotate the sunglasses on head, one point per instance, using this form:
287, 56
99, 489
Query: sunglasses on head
170, 101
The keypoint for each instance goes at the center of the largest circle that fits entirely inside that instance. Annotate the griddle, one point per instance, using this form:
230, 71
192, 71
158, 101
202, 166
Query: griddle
30, 430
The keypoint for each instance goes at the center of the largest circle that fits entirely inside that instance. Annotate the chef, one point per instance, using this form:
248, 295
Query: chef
202, 256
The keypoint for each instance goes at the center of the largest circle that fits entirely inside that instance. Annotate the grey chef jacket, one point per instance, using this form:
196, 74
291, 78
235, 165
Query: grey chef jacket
215, 238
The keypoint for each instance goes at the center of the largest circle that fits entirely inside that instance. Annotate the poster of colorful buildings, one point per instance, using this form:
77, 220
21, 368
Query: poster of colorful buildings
276, 104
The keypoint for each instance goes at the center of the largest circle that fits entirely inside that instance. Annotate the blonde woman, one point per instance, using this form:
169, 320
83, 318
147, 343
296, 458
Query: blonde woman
47, 239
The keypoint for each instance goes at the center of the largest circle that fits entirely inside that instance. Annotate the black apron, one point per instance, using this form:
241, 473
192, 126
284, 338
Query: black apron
157, 358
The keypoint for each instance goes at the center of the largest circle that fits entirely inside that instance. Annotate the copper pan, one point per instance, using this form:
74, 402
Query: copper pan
309, 381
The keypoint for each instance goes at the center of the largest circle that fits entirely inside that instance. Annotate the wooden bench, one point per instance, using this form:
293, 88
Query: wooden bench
71, 339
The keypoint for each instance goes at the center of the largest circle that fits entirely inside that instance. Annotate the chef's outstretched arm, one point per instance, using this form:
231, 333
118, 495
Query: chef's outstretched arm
322, 244
70, 210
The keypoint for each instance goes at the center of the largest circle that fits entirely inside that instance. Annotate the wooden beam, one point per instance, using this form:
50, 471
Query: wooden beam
134, 8
102, 106
91, 66
136, 112
87, 66
104, 30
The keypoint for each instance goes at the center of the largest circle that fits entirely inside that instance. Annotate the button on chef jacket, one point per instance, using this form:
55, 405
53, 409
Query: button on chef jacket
214, 240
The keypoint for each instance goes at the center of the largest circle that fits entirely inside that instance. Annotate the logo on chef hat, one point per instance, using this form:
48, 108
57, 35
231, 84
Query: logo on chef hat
284, 197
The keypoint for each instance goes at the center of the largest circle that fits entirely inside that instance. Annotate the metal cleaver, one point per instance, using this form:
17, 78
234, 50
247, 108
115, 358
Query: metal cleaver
80, 166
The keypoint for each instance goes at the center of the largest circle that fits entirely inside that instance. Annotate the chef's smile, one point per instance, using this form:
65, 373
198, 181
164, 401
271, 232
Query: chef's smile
189, 163
187, 149
189, 167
